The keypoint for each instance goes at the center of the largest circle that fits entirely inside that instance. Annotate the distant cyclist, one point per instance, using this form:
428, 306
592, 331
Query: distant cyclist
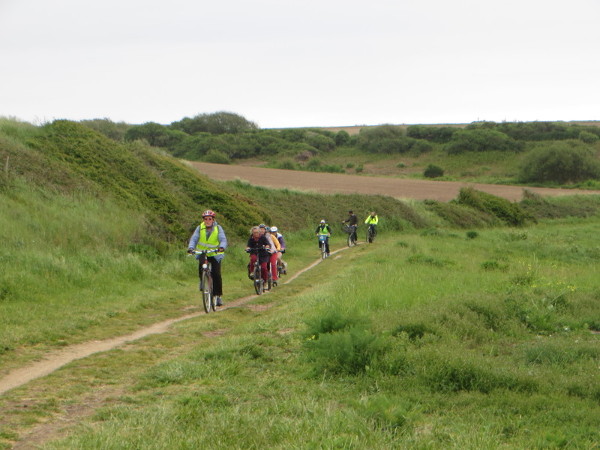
275, 232
209, 234
372, 220
352, 221
323, 229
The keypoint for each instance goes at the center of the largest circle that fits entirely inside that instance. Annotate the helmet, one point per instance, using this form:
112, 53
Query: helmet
274, 229
262, 225
267, 229
323, 221
208, 213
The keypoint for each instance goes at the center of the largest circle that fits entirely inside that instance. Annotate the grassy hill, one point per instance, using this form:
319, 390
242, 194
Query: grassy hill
468, 324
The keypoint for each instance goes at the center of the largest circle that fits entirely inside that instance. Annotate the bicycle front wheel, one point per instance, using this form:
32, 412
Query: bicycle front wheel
258, 281
206, 290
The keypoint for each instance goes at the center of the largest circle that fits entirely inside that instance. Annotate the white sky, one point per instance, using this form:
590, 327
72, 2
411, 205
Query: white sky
283, 63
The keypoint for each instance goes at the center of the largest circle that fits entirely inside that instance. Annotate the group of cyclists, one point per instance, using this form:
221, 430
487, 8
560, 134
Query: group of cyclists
265, 243
323, 230
268, 242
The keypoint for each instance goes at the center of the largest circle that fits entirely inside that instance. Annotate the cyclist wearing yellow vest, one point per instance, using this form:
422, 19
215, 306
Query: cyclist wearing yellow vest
372, 220
323, 229
209, 234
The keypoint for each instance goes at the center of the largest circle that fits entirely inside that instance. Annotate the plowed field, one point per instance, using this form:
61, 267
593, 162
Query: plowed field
329, 183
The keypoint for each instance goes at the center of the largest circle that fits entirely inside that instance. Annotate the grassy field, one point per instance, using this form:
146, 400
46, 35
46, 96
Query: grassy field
451, 330
421, 340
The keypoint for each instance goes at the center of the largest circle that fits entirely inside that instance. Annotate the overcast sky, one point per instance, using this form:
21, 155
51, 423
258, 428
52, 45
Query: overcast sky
282, 63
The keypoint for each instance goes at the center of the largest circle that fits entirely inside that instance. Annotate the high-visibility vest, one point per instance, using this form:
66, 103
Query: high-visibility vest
211, 242
323, 230
372, 220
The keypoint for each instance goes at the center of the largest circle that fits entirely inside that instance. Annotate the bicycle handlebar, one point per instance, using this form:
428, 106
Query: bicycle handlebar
203, 252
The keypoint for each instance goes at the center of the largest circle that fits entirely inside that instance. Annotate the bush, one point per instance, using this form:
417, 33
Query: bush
216, 123
508, 212
217, 157
480, 140
588, 138
431, 133
433, 171
384, 139
562, 162
342, 138
351, 352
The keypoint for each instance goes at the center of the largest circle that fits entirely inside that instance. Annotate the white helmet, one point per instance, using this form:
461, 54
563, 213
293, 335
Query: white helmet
274, 230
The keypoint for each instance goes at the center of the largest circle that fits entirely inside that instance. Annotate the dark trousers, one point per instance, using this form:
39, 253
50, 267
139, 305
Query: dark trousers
216, 275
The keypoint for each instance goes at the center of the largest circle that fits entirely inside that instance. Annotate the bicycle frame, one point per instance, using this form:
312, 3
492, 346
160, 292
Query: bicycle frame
206, 282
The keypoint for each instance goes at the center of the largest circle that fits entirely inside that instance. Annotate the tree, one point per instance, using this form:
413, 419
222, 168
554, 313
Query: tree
216, 123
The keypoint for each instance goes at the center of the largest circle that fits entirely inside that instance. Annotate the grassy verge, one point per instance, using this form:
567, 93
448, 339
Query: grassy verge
423, 339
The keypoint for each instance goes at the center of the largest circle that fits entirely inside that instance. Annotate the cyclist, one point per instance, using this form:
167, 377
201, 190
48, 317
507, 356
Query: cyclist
274, 255
352, 221
275, 232
323, 229
372, 220
258, 241
209, 234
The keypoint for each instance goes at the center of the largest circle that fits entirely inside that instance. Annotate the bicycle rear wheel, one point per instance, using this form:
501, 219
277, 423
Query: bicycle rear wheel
206, 290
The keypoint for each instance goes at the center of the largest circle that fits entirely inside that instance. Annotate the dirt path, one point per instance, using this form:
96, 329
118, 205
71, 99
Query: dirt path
332, 183
56, 360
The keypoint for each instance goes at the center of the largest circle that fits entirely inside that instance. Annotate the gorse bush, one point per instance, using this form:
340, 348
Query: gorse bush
564, 162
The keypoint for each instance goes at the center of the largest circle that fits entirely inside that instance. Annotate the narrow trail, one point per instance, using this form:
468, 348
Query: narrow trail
55, 360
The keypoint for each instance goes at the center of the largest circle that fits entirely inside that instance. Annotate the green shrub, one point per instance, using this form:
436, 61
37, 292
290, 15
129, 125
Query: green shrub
562, 162
433, 171
472, 234
352, 351
342, 138
217, 157
431, 133
215, 123
508, 212
460, 216
386, 139
588, 138
480, 140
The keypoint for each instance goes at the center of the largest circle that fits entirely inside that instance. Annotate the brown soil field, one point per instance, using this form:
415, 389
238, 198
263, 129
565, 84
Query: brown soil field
333, 183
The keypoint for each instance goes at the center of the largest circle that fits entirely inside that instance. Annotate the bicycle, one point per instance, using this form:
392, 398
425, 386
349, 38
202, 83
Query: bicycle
206, 281
323, 245
351, 231
281, 270
371, 234
259, 284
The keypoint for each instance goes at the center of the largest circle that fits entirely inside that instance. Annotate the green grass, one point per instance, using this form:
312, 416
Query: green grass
373, 348
435, 336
